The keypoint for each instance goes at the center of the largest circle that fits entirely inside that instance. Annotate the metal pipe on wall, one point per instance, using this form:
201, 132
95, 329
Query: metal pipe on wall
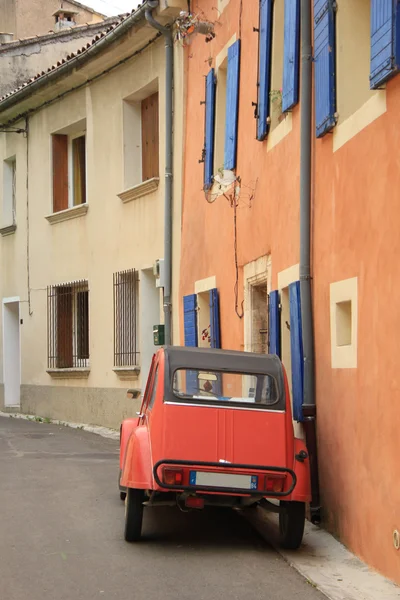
309, 404
169, 75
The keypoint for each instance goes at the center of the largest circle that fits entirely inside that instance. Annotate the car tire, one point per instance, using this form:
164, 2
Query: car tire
291, 524
133, 515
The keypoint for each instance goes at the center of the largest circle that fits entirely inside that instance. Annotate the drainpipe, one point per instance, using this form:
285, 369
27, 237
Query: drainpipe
309, 405
169, 74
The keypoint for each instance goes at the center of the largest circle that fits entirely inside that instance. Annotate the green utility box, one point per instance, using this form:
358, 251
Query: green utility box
159, 335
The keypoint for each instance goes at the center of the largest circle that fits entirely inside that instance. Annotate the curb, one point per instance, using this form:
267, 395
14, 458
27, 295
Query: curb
325, 563
98, 430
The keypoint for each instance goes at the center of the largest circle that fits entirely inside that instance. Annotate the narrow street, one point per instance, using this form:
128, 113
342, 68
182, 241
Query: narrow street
61, 532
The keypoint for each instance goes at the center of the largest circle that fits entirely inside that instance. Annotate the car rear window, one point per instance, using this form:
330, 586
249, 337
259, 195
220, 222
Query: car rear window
217, 387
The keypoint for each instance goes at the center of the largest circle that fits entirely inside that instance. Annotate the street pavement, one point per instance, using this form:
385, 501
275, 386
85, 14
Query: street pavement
61, 532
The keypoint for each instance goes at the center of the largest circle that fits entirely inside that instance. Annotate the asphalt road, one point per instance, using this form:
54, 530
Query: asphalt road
61, 532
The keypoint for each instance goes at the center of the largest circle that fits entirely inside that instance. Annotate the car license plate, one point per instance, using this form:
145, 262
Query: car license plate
223, 480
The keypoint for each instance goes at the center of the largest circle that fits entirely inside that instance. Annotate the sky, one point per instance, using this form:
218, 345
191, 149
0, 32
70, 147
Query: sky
112, 7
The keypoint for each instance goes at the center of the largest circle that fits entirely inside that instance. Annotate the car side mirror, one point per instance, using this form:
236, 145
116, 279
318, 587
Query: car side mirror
133, 394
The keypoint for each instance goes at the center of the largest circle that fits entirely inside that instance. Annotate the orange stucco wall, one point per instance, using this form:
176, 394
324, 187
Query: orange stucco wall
270, 224
356, 212
356, 234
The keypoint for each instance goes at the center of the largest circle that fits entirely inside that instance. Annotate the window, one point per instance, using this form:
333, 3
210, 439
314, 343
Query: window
126, 293
385, 46
201, 319
150, 141
220, 116
9, 192
259, 318
234, 389
343, 316
68, 325
343, 323
278, 62
275, 95
324, 65
69, 170
353, 26
141, 137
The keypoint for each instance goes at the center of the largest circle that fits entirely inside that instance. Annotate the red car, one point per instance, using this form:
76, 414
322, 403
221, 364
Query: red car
215, 428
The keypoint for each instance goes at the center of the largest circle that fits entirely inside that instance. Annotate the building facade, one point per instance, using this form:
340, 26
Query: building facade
83, 188
25, 18
240, 265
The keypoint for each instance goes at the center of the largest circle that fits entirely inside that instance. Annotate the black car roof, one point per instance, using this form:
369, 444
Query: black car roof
223, 360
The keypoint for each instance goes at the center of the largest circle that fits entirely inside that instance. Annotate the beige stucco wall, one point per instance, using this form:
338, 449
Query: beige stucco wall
35, 17
112, 236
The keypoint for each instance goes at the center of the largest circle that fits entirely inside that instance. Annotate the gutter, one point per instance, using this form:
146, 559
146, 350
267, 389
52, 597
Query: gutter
77, 61
309, 403
169, 83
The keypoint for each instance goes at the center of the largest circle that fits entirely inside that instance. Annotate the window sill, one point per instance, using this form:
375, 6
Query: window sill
8, 230
139, 190
68, 213
70, 373
127, 372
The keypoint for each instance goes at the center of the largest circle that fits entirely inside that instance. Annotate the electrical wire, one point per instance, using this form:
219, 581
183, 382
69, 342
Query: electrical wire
236, 286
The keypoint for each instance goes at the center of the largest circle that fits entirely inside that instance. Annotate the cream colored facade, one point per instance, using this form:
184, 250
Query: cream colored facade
90, 243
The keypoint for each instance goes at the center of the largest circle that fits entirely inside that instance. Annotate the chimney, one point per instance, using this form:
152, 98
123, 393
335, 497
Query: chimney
6, 37
64, 19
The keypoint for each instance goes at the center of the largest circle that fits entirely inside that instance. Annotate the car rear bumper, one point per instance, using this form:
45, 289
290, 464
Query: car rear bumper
258, 470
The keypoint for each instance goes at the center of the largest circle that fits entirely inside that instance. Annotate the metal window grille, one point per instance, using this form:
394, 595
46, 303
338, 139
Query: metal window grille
126, 286
68, 325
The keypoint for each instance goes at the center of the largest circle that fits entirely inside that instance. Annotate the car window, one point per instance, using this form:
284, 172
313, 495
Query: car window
154, 390
213, 387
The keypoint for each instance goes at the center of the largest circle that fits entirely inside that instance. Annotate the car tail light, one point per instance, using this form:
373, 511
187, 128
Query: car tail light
194, 502
173, 476
274, 484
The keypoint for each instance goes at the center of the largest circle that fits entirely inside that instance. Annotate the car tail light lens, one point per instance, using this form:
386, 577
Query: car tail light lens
173, 476
274, 484
194, 502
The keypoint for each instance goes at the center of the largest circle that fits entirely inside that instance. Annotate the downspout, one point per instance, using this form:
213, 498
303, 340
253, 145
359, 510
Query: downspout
309, 404
169, 74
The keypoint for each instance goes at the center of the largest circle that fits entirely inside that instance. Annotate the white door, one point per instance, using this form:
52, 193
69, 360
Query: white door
11, 352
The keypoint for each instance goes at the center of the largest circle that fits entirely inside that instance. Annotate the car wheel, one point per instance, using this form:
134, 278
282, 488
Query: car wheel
133, 515
122, 495
291, 524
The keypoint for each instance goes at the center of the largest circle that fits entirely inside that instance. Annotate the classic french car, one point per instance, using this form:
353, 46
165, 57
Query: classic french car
214, 428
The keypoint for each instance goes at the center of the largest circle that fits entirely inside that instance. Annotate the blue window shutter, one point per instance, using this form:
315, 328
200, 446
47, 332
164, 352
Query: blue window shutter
291, 47
232, 105
325, 63
190, 319
190, 334
274, 324
214, 319
385, 41
296, 348
264, 68
210, 129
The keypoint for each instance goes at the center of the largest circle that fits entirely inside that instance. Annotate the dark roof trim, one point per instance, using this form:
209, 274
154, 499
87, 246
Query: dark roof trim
74, 32
77, 60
